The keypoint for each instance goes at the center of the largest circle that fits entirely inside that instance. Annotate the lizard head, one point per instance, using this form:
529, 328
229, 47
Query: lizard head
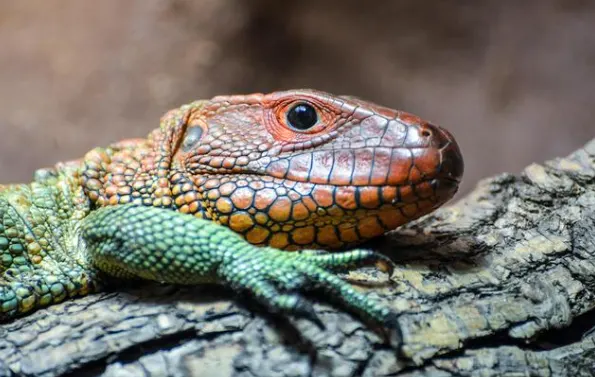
290, 169
304, 168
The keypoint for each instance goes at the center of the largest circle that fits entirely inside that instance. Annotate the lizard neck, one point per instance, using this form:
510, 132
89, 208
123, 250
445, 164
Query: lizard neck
135, 171
142, 171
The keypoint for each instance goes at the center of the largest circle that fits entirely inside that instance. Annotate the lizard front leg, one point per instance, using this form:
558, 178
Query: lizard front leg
163, 245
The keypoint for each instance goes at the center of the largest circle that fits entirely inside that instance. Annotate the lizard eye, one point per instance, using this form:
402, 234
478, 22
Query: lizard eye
302, 116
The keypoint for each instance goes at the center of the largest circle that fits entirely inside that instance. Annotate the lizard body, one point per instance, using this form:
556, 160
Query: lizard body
290, 170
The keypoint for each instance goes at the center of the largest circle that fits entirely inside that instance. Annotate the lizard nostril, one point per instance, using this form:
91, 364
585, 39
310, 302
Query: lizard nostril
435, 136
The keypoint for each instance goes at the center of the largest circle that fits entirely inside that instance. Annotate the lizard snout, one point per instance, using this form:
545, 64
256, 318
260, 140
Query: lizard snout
451, 167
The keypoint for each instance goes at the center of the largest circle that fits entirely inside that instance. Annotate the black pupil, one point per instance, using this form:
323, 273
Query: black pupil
302, 116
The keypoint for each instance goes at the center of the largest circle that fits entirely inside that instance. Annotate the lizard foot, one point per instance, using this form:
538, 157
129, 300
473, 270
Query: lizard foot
276, 279
157, 244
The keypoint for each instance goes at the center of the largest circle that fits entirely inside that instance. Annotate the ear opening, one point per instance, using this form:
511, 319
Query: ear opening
172, 128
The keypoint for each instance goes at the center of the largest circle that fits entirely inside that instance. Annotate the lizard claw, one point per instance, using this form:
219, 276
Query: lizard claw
392, 330
303, 308
277, 278
348, 260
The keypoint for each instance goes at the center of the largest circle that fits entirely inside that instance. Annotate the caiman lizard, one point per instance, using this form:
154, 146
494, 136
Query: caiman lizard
223, 192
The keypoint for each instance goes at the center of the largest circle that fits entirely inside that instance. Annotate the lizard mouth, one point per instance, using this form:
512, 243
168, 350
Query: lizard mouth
289, 214
398, 175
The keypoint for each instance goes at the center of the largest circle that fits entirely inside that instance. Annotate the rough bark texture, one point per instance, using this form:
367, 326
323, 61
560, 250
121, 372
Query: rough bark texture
500, 283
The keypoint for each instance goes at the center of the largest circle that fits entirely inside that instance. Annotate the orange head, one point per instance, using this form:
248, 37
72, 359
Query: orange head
299, 168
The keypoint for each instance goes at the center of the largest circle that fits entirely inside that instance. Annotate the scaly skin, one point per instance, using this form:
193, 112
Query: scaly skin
151, 208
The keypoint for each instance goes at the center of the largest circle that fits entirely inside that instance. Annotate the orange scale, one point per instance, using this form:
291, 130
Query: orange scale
309, 203
300, 212
240, 222
323, 195
327, 236
227, 188
212, 183
389, 193
190, 196
263, 198
257, 235
280, 210
369, 197
424, 190
224, 205
348, 234
304, 235
194, 206
410, 210
370, 227
242, 198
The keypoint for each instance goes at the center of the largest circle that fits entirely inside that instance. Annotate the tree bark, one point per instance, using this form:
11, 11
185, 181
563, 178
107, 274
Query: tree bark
500, 283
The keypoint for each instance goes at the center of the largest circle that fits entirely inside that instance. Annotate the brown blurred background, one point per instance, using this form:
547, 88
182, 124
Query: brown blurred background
513, 80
